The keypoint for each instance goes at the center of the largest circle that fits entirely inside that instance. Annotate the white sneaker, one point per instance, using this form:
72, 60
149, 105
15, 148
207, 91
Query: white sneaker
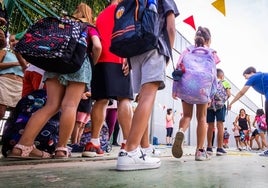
151, 151
264, 154
202, 156
139, 161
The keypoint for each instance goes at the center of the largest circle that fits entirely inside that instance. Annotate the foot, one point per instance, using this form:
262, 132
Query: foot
264, 154
201, 155
221, 152
209, 151
62, 152
136, 161
115, 144
92, 151
28, 152
177, 146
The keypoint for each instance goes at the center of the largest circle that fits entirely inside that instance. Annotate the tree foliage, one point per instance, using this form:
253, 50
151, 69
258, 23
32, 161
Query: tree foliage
23, 13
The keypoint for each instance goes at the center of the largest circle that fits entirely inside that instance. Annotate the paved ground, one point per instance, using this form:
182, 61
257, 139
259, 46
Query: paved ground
237, 169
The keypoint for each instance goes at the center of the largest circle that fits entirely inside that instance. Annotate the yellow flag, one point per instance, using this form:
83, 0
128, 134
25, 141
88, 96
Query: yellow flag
220, 6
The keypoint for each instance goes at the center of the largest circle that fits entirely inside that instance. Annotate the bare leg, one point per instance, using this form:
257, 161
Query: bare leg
141, 115
201, 114
220, 134
125, 114
98, 115
69, 106
210, 134
55, 92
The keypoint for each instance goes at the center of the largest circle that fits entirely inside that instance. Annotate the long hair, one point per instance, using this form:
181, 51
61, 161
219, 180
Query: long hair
84, 13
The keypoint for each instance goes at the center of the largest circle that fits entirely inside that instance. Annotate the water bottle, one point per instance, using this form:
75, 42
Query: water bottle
152, 5
83, 39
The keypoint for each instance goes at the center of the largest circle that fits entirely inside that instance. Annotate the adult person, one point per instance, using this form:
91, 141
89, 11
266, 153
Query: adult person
111, 79
202, 39
243, 121
11, 77
148, 76
219, 115
259, 82
169, 126
64, 92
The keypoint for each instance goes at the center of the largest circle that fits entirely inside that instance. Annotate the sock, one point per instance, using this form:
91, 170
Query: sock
181, 130
133, 152
95, 141
124, 141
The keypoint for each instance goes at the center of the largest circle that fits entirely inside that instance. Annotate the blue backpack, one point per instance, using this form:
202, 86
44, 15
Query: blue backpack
46, 140
199, 83
136, 29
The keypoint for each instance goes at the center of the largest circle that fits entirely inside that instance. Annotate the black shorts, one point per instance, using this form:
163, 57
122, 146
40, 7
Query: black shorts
109, 82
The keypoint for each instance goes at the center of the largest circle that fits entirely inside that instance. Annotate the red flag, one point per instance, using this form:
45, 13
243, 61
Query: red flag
190, 21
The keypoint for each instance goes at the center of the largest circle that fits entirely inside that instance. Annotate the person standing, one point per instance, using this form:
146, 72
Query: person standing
148, 76
111, 79
202, 39
64, 93
226, 136
169, 126
82, 118
243, 121
219, 115
11, 78
236, 130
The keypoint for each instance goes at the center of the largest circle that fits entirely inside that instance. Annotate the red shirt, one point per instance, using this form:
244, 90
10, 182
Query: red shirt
105, 24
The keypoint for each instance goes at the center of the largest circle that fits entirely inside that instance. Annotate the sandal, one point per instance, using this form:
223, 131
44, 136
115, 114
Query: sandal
27, 153
64, 150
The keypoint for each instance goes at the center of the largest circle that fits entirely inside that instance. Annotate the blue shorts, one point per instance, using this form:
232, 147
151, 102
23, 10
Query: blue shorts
219, 115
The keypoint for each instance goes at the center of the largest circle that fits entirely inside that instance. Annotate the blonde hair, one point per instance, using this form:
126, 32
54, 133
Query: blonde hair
84, 13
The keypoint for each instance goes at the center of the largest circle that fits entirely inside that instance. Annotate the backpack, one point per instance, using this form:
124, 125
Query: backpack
220, 97
262, 122
198, 84
55, 44
136, 29
46, 140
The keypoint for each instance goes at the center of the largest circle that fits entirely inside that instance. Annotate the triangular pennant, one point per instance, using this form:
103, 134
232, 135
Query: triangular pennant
220, 6
190, 21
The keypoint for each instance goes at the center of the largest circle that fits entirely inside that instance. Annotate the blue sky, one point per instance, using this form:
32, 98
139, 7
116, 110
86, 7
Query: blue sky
240, 37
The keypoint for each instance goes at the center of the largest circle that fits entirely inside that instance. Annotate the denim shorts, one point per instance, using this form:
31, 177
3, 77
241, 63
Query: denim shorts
219, 115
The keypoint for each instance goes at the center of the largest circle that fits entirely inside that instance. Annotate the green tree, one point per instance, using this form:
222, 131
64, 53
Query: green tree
23, 13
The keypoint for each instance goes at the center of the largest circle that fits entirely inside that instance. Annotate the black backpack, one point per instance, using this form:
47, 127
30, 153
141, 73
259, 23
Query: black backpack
55, 44
136, 29
14, 126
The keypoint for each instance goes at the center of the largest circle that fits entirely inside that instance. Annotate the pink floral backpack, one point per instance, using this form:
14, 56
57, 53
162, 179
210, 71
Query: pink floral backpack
199, 82
261, 122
